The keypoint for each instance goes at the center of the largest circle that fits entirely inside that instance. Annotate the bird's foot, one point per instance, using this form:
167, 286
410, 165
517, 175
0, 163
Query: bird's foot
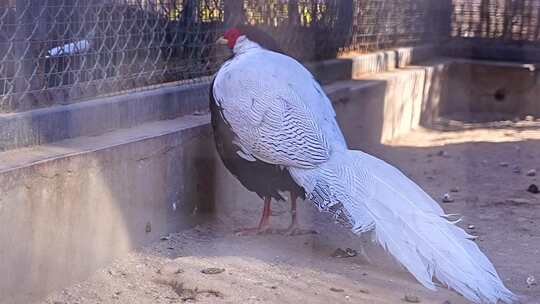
254, 231
295, 230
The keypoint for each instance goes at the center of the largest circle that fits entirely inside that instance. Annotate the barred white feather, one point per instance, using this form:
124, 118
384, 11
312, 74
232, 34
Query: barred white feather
281, 116
408, 224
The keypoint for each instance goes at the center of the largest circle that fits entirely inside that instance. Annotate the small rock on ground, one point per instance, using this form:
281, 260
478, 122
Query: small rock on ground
411, 299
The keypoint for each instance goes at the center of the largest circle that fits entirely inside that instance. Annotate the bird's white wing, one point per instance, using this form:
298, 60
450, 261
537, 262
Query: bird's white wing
322, 107
303, 82
269, 117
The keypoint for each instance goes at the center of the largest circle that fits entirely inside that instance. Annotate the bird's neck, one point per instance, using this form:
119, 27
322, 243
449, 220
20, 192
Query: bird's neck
244, 45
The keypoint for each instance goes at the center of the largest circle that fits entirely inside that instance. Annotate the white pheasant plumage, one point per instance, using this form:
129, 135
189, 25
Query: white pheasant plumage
280, 115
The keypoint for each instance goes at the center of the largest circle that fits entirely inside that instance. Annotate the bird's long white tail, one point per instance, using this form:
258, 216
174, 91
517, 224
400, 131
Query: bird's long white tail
371, 194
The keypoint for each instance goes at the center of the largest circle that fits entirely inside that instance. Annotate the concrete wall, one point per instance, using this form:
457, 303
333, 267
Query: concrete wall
393, 103
502, 90
68, 208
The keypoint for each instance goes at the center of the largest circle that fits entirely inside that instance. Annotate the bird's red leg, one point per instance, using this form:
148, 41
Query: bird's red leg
267, 211
264, 223
294, 228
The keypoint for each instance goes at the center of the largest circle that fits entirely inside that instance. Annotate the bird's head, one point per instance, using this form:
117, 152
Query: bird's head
233, 35
230, 37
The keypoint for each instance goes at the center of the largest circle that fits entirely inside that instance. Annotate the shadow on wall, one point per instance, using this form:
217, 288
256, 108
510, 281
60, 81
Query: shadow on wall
484, 92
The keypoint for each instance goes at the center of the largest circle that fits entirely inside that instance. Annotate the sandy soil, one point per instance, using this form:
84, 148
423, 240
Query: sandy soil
479, 163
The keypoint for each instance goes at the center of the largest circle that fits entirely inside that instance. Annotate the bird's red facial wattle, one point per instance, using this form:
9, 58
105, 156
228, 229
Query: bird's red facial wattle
231, 35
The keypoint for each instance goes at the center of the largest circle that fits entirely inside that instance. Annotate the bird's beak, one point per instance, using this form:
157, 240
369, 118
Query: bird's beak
222, 40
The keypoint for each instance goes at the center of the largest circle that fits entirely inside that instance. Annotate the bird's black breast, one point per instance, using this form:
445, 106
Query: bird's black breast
257, 176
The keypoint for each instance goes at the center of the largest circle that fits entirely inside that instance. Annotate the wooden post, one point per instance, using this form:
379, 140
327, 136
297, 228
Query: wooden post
234, 12
294, 16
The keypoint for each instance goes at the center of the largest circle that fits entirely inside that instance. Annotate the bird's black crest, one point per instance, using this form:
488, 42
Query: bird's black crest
261, 37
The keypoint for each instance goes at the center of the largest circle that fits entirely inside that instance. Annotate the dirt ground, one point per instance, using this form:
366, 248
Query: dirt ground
486, 166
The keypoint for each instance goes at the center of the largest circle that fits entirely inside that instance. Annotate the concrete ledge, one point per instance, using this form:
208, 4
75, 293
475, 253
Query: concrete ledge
374, 63
411, 55
98, 116
405, 99
331, 70
389, 60
68, 208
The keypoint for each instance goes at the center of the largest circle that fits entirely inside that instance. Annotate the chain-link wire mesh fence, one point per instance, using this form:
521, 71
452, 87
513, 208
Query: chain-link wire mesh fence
510, 21
64, 51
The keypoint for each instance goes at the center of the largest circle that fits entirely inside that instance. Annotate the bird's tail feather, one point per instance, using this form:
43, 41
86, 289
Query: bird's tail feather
370, 194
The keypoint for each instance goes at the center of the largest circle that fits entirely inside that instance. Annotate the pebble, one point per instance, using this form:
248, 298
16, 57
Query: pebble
411, 299
503, 164
148, 227
518, 201
347, 253
531, 172
442, 153
517, 170
531, 281
455, 190
447, 198
336, 289
364, 291
115, 296
533, 188
471, 227
212, 270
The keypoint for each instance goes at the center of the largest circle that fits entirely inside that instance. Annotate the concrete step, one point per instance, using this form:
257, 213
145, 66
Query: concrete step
101, 115
70, 207
24, 157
